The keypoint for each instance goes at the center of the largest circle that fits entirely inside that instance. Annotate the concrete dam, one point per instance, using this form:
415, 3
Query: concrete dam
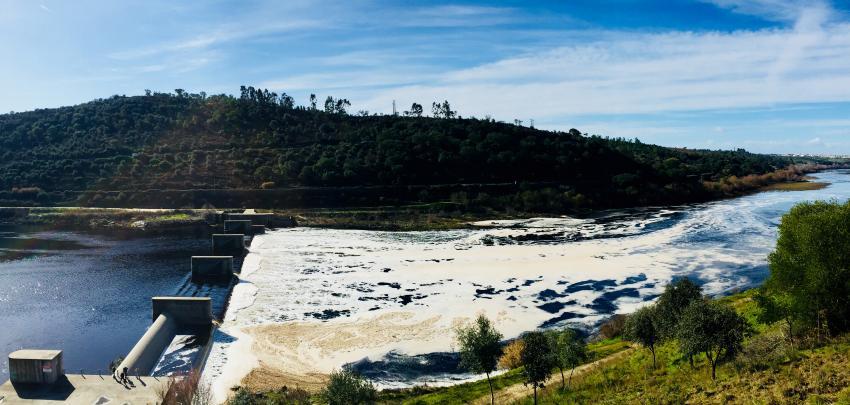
177, 342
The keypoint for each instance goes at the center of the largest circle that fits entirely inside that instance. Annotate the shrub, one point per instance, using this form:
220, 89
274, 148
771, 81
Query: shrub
346, 387
765, 351
615, 326
185, 390
511, 355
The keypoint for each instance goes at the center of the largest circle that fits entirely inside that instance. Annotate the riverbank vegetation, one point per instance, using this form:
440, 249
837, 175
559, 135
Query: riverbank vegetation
261, 149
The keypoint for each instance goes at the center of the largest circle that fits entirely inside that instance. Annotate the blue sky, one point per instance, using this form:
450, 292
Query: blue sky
766, 75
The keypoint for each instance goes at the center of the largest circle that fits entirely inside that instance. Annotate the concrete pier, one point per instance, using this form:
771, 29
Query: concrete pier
238, 226
223, 244
212, 267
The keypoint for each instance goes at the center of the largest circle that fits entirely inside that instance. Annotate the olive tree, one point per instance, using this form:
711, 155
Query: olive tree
671, 303
537, 360
642, 327
810, 267
711, 328
568, 349
480, 348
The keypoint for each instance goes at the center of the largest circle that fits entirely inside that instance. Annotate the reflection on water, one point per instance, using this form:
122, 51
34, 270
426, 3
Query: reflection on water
88, 295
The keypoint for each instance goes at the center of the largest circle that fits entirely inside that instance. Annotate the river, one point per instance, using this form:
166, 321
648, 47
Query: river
311, 300
386, 302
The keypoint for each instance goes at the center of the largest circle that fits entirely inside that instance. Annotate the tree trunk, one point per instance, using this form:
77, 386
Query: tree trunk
691, 360
571, 375
492, 396
713, 361
535, 393
562, 377
652, 349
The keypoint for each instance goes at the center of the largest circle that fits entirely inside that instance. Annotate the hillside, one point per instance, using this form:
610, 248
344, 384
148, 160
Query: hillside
190, 150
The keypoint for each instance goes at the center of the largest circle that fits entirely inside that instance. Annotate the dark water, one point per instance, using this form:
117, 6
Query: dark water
88, 295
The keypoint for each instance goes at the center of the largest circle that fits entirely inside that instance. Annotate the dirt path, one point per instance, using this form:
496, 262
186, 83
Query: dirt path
519, 391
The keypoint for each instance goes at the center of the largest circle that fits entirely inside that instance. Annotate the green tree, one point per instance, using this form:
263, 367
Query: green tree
346, 387
330, 105
415, 110
642, 327
480, 348
675, 298
537, 360
569, 351
711, 328
810, 268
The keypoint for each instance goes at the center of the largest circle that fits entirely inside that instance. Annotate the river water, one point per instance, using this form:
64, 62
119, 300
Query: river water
337, 287
90, 294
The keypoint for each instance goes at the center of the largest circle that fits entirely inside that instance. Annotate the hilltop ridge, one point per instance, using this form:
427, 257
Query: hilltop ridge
192, 150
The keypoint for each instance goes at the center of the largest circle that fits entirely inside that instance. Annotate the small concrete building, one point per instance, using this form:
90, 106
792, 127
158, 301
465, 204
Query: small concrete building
35, 366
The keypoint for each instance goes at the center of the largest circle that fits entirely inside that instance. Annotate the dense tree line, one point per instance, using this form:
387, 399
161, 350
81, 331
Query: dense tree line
183, 141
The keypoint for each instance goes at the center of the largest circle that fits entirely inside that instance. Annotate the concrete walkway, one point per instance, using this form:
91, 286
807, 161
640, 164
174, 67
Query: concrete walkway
86, 389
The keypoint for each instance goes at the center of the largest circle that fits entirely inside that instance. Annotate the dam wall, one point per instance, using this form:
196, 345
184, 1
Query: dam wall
181, 329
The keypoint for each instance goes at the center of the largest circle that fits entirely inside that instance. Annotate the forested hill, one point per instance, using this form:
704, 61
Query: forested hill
259, 149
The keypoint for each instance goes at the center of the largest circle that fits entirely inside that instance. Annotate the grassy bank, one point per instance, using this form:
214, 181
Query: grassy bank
768, 371
468, 392
120, 220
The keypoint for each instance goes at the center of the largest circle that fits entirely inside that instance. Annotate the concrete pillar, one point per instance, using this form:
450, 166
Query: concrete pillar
238, 226
223, 244
144, 355
212, 267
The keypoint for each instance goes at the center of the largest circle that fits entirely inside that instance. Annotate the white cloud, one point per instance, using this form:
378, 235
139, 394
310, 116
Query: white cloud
45, 8
223, 34
776, 10
647, 73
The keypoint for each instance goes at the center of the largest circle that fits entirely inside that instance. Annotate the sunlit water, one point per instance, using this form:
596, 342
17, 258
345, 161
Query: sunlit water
539, 272
88, 295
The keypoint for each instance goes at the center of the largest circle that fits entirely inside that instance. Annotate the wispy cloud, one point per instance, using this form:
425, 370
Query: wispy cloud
647, 73
45, 8
776, 10
217, 36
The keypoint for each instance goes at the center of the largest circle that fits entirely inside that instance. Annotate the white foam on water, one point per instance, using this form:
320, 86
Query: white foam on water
522, 273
